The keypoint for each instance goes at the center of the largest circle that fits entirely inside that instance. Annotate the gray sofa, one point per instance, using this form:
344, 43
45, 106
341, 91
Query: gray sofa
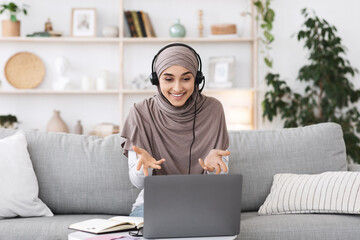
83, 177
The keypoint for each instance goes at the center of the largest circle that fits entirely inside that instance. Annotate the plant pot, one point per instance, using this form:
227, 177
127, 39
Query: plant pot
10, 28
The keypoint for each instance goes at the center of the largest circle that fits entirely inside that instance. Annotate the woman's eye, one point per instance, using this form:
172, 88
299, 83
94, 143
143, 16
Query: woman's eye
168, 79
186, 79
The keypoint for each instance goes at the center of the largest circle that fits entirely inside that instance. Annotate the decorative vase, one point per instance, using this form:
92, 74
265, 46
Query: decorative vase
177, 30
78, 128
56, 124
110, 31
10, 28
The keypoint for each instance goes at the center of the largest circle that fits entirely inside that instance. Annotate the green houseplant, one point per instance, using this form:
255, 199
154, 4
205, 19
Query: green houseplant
8, 121
265, 16
329, 95
11, 27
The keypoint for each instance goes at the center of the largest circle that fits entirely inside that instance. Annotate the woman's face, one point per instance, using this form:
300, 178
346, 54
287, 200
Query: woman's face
177, 85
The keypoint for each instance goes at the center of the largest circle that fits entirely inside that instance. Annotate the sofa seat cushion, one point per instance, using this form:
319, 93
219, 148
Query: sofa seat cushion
42, 228
80, 174
299, 226
260, 154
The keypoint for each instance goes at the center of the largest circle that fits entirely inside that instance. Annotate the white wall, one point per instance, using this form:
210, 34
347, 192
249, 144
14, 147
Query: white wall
34, 111
289, 54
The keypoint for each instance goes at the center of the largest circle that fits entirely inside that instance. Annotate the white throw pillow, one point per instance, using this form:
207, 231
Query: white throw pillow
328, 192
18, 183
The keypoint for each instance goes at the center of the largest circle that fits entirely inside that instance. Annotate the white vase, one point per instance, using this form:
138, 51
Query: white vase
87, 83
101, 84
110, 31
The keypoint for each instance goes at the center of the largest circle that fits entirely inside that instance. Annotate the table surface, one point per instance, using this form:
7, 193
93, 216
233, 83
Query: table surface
82, 236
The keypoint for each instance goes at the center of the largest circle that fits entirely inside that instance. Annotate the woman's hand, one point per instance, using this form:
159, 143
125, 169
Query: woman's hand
214, 161
146, 160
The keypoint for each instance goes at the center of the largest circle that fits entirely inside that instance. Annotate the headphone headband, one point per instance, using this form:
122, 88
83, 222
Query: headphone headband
199, 75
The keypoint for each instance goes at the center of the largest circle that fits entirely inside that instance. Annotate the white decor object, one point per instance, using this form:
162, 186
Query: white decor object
18, 183
87, 83
102, 82
221, 72
328, 192
62, 65
110, 31
142, 81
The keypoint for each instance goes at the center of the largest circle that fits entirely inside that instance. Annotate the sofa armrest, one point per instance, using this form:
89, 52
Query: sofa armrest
354, 167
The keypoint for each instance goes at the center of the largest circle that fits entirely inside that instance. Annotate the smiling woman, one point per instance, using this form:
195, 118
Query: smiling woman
172, 132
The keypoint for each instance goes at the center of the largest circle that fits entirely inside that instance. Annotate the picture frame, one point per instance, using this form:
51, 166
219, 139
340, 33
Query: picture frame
221, 71
83, 22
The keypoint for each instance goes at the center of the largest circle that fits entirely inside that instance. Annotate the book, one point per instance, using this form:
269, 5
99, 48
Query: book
113, 238
141, 23
131, 24
148, 22
136, 23
106, 236
127, 32
113, 224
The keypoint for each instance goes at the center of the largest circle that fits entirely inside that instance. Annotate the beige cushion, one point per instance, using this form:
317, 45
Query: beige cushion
328, 192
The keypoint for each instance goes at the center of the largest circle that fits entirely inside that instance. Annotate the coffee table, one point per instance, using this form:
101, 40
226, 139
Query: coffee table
82, 236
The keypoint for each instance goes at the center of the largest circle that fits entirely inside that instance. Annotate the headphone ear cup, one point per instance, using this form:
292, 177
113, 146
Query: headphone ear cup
154, 79
199, 77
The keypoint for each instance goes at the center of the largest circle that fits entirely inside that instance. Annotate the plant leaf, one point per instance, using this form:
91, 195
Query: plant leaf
13, 18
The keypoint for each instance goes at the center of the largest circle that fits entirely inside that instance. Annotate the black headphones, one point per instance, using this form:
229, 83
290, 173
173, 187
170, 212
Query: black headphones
199, 78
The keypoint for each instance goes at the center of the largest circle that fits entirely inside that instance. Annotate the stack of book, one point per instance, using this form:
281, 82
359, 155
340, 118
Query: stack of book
139, 24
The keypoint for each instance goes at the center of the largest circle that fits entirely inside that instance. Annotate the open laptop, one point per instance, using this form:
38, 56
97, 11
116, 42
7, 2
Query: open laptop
192, 205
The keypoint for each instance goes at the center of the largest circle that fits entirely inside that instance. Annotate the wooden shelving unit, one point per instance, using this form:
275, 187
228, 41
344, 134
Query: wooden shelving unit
252, 40
123, 42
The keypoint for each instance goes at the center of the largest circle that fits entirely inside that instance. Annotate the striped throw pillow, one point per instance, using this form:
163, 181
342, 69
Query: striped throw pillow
328, 192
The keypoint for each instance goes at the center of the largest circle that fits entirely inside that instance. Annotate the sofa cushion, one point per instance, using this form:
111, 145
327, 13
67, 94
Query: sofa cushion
18, 184
299, 226
328, 192
80, 174
42, 228
260, 154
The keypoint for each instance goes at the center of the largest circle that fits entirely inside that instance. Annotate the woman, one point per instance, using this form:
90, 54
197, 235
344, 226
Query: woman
173, 131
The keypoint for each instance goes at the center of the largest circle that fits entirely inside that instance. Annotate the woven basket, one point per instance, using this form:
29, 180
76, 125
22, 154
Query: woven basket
219, 29
24, 70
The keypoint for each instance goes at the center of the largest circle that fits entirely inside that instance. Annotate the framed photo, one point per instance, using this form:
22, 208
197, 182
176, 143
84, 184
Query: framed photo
83, 22
221, 72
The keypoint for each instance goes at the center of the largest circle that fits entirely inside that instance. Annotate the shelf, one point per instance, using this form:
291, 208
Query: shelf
60, 39
111, 92
149, 91
53, 92
188, 40
125, 40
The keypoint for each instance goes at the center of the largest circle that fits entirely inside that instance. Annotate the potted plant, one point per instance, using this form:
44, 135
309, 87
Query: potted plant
8, 121
329, 94
11, 27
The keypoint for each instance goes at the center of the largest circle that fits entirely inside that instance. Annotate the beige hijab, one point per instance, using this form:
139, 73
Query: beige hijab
166, 131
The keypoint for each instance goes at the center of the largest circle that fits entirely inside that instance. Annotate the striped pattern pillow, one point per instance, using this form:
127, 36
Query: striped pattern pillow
328, 192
